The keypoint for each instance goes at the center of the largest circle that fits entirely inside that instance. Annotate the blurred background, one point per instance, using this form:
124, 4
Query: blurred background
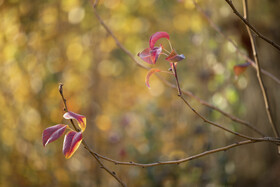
44, 43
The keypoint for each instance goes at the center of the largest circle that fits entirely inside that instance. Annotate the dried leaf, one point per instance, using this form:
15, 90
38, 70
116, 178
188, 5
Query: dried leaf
152, 71
240, 68
53, 133
174, 57
155, 37
72, 141
80, 118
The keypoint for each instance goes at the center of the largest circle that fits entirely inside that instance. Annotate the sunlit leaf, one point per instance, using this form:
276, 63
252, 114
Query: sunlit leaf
72, 141
152, 71
80, 118
150, 55
155, 37
240, 68
174, 57
53, 133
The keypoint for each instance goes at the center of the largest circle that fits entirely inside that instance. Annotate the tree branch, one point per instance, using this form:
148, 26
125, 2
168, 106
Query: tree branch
216, 28
259, 75
202, 117
252, 28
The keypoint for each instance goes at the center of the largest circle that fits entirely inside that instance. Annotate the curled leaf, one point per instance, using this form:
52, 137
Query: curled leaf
53, 133
150, 72
80, 118
155, 37
72, 141
150, 55
240, 68
174, 57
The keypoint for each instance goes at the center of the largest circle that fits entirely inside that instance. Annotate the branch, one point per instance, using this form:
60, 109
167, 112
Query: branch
215, 27
259, 75
225, 148
95, 155
202, 117
188, 93
252, 28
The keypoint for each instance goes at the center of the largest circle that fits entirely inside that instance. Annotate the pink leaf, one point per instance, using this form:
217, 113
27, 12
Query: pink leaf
72, 141
174, 57
53, 133
240, 68
146, 56
150, 72
155, 37
80, 118
150, 55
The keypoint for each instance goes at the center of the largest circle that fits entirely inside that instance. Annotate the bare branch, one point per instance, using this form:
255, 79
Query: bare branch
259, 75
252, 28
202, 117
216, 28
225, 148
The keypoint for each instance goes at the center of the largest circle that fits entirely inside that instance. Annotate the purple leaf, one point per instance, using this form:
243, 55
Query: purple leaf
150, 55
72, 141
174, 57
53, 133
80, 118
155, 37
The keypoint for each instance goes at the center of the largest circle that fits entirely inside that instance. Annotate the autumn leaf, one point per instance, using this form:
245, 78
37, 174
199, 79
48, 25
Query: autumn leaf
150, 72
240, 68
174, 57
155, 37
72, 141
53, 133
80, 119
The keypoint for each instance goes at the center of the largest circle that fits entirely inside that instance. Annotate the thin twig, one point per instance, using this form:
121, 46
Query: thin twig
202, 117
216, 28
95, 155
233, 118
252, 28
225, 148
259, 75
177, 82
188, 93
180, 160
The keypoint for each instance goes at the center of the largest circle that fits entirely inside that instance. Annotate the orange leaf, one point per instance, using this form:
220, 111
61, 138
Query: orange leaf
72, 141
80, 118
240, 68
150, 72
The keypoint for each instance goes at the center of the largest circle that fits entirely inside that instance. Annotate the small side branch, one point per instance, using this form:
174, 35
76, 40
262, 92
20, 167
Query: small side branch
243, 55
201, 116
225, 148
